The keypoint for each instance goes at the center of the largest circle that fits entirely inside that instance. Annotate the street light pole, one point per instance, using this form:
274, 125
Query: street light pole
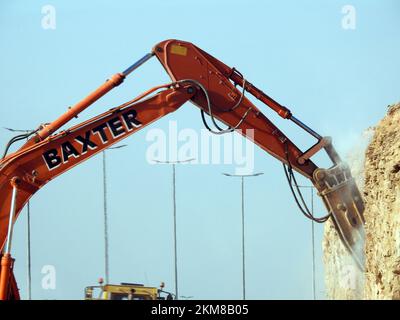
175, 240
312, 239
243, 246
106, 246
174, 216
106, 262
243, 229
28, 232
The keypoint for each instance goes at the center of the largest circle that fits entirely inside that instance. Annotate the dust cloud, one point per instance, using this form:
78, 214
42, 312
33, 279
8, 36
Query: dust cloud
375, 165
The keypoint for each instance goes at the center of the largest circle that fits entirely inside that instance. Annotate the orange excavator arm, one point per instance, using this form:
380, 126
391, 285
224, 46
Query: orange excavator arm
220, 99
24, 172
210, 85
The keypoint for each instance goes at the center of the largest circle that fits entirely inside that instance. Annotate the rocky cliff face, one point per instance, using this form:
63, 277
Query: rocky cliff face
377, 171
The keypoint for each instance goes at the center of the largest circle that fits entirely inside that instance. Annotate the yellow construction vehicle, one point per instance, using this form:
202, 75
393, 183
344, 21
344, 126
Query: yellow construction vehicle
126, 291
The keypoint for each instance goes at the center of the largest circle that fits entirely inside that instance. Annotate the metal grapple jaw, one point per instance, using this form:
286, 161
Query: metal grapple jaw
344, 202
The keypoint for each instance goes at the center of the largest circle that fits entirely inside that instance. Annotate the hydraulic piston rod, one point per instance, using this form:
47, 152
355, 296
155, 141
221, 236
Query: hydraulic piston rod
73, 111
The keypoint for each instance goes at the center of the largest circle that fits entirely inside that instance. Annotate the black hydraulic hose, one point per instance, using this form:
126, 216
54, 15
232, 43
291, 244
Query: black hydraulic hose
304, 209
15, 139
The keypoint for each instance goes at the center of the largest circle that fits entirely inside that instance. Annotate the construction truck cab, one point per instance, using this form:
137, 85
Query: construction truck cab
126, 291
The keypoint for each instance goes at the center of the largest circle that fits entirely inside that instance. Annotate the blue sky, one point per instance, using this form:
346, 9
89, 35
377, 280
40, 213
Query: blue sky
337, 81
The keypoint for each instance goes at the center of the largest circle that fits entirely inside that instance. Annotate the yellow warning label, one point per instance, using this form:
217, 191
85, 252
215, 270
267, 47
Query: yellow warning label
181, 50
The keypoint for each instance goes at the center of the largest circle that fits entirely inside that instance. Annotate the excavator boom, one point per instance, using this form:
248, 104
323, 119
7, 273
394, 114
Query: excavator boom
24, 172
210, 85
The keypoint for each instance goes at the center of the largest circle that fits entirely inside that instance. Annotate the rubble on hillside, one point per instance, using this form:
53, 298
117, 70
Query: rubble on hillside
377, 172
